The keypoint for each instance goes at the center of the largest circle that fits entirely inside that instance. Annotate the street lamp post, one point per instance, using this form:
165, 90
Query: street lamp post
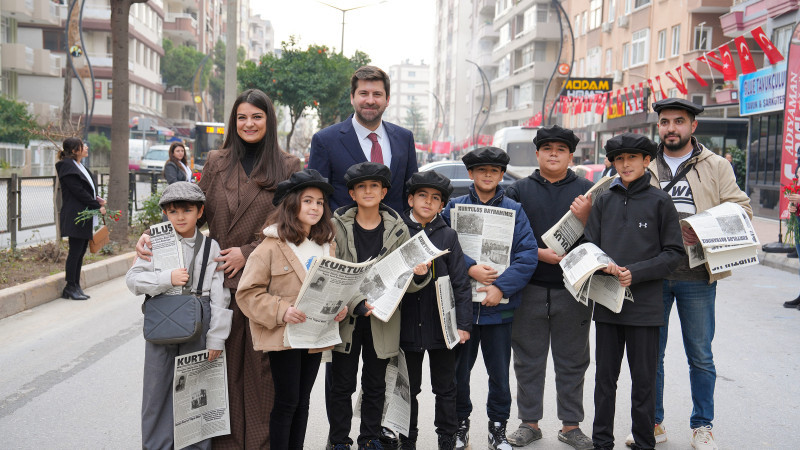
439, 120
486, 87
344, 11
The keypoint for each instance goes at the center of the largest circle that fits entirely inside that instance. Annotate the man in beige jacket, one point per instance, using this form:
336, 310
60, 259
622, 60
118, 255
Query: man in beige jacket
697, 179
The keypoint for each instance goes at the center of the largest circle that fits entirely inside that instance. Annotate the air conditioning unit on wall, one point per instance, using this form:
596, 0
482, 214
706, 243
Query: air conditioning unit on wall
617, 76
607, 26
622, 21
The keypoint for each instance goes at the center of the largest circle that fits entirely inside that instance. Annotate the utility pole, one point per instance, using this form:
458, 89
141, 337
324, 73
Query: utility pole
231, 51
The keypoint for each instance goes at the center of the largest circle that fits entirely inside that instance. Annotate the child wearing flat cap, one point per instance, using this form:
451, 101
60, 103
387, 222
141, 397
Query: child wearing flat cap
182, 202
428, 192
636, 224
365, 230
491, 319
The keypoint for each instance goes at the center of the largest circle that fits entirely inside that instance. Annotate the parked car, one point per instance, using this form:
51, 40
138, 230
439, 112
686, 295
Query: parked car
591, 172
459, 177
155, 158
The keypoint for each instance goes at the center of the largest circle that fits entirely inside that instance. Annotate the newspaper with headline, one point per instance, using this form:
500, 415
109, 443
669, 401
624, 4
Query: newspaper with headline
566, 232
584, 282
726, 236
167, 251
328, 285
447, 311
200, 398
397, 405
486, 234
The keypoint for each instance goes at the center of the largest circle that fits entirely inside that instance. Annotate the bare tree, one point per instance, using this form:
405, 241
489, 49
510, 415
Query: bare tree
118, 165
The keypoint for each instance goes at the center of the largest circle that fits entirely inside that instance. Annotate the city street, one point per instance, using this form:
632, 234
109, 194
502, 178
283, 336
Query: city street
72, 375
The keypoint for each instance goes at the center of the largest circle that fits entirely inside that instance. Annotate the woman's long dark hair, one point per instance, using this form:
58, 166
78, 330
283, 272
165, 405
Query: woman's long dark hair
70, 147
289, 227
172, 157
269, 168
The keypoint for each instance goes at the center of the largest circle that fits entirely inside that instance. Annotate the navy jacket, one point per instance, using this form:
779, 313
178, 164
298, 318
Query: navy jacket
638, 228
421, 326
524, 257
336, 148
546, 203
76, 196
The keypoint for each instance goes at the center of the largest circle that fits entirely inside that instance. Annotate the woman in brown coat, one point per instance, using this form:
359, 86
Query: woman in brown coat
239, 182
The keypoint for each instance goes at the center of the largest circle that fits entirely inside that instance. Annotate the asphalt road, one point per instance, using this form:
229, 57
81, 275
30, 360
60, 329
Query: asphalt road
72, 371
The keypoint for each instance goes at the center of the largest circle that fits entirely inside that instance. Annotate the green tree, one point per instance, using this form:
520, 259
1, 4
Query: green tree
415, 121
183, 63
313, 78
99, 143
16, 123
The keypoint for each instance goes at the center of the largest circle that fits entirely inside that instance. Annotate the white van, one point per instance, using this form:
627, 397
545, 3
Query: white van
136, 151
155, 158
518, 143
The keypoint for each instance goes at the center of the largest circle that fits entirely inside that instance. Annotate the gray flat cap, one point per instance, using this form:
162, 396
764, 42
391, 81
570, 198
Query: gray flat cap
182, 191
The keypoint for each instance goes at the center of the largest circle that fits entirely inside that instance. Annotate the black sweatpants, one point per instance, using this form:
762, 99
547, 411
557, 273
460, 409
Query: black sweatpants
641, 344
293, 374
344, 373
443, 384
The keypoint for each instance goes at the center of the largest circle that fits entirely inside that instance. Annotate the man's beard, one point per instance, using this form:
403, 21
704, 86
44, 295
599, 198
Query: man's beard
679, 145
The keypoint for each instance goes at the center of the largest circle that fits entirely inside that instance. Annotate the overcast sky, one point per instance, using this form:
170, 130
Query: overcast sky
388, 32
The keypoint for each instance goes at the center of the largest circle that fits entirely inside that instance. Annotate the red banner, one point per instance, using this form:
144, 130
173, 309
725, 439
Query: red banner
791, 119
745, 58
440, 147
769, 48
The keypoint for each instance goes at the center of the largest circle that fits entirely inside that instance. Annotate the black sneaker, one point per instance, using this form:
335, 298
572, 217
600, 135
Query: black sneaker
447, 442
389, 439
497, 436
462, 435
372, 444
792, 303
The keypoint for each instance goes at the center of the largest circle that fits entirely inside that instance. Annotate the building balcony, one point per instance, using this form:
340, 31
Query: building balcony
486, 60
746, 15
542, 31
487, 31
46, 63
485, 7
47, 13
181, 25
177, 94
17, 58
708, 6
181, 5
44, 113
540, 70
20, 10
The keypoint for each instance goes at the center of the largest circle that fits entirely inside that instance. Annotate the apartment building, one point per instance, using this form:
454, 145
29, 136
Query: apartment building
260, 38
410, 84
631, 41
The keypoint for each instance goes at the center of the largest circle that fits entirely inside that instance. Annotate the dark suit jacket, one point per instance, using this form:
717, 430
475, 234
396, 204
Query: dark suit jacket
336, 148
76, 195
236, 209
173, 173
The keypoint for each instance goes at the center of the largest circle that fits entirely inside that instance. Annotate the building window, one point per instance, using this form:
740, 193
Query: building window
593, 62
53, 40
781, 37
504, 67
585, 20
582, 67
609, 61
626, 52
577, 24
611, 8
525, 94
632, 5
639, 47
502, 101
702, 37
543, 12
412, 74
699, 99
595, 13
676, 41
662, 44
538, 90
505, 34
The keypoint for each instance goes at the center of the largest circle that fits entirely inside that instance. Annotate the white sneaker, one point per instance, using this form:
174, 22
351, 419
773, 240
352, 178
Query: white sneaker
702, 438
659, 431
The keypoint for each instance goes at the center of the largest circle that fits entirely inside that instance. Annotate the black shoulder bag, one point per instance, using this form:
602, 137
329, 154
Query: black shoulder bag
175, 319
678, 177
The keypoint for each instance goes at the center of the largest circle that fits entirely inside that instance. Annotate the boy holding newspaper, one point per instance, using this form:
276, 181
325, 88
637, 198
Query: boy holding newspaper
636, 225
492, 317
422, 327
365, 230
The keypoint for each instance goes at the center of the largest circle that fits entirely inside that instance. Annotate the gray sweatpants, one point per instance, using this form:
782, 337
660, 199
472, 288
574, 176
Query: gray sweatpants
158, 383
548, 316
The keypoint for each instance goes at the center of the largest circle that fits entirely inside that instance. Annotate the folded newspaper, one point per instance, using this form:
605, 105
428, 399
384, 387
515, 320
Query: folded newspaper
167, 252
447, 311
200, 398
584, 282
726, 236
397, 404
332, 283
486, 234
566, 232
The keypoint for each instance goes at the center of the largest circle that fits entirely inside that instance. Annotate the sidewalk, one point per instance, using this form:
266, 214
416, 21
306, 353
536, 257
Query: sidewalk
767, 231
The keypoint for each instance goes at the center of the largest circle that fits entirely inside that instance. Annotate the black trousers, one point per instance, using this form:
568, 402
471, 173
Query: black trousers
641, 345
443, 375
77, 249
344, 373
293, 375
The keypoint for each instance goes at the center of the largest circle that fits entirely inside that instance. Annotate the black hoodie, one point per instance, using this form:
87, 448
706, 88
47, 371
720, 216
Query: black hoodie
545, 203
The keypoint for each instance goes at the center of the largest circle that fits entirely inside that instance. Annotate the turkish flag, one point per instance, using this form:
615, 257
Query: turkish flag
724, 62
654, 91
678, 82
769, 48
601, 105
700, 81
745, 58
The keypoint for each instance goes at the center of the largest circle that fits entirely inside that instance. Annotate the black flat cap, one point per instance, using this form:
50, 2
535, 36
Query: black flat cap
182, 191
301, 180
430, 179
556, 133
677, 103
630, 143
486, 156
368, 171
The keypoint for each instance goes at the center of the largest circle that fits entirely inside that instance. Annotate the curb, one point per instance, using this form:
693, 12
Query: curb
779, 261
22, 297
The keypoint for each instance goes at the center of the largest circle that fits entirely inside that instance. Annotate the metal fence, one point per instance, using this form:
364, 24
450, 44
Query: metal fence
29, 205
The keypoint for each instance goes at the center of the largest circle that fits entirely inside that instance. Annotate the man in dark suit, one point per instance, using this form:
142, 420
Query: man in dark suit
364, 136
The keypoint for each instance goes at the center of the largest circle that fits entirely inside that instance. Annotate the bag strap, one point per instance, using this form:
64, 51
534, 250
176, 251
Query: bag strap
206, 253
678, 177
187, 288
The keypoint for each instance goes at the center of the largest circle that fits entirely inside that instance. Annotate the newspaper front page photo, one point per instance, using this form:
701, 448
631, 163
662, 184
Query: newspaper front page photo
200, 398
